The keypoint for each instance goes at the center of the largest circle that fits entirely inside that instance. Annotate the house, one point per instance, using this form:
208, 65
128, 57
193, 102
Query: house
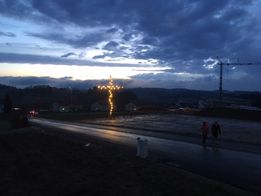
97, 107
209, 103
130, 107
244, 107
76, 108
55, 107
202, 104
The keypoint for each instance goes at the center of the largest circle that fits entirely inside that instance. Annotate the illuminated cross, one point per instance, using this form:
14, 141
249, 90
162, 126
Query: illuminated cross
110, 88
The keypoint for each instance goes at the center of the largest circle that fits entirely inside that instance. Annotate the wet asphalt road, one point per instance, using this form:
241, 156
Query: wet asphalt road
237, 168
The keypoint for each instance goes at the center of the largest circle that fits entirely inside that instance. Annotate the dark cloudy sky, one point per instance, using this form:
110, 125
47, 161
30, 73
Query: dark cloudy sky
148, 43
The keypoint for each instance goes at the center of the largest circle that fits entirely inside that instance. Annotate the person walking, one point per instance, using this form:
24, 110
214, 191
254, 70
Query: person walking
204, 132
216, 131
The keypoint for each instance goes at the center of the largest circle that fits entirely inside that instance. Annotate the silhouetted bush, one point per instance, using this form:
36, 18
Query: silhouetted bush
7, 104
18, 119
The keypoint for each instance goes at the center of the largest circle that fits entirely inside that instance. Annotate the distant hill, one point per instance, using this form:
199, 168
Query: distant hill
44, 96
168, 96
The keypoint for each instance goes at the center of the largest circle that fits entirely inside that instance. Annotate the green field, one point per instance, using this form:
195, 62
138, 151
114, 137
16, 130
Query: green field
4, 124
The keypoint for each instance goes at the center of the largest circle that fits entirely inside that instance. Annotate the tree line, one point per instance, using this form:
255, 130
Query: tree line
44, 96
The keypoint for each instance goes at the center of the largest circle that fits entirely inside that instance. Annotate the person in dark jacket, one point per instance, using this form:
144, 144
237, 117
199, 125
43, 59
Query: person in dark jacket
216, 131
204, 132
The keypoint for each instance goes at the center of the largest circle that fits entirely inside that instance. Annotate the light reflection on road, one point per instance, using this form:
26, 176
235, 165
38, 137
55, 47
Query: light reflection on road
237, 168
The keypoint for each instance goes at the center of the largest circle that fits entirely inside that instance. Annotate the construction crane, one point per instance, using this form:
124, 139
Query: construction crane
221, 63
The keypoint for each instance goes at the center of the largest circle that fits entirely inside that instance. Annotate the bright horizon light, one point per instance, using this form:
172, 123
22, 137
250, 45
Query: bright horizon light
75, 72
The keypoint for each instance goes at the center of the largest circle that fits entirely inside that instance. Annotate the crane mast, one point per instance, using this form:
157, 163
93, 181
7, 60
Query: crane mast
221, 63
221, 82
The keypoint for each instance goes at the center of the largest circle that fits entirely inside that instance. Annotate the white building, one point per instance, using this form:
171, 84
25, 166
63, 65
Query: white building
130, 107
96, 107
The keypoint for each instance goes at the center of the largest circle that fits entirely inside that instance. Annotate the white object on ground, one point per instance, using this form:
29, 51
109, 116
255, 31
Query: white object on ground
142, 148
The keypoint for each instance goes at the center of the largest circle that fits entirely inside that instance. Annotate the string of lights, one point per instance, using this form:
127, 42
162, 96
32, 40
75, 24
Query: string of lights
110, 87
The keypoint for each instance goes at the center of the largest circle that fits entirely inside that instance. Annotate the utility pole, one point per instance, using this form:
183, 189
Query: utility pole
220, 63
220, 81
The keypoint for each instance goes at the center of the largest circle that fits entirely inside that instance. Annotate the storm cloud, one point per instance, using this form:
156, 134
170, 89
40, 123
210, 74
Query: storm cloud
68, 54
41, 59
179, 34
7, 34
177, 29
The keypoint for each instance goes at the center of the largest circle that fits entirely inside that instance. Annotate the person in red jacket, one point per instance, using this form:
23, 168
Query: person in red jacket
204, 132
